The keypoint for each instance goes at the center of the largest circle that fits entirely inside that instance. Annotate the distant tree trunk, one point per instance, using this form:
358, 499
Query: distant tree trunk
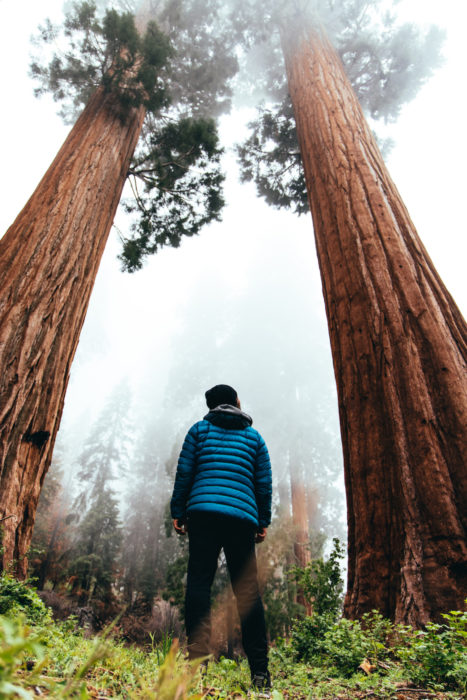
399, 352
300, 519
312, 497
49, 259
301, 531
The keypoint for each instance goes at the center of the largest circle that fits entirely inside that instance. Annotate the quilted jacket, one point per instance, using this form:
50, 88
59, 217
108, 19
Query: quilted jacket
224, 468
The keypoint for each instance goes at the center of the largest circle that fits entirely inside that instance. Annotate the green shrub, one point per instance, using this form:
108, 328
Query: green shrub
379, 632
437, 655
434, 657
346, 645
307, 638
321, 582
17, 598
348, 642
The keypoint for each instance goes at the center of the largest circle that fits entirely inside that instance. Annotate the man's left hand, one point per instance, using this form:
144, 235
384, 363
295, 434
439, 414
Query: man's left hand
261, 535
180, 526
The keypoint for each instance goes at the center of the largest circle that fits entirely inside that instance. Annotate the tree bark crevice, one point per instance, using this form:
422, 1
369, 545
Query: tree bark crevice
49, 260
399, 354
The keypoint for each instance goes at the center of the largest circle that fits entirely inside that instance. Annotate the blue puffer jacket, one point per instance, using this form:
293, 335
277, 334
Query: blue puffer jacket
224, 468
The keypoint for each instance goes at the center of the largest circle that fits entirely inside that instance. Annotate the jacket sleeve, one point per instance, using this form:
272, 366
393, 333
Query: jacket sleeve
185, 474
263, 484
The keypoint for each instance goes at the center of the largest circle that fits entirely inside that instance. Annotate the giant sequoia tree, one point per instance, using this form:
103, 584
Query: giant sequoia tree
149, 85
398, 339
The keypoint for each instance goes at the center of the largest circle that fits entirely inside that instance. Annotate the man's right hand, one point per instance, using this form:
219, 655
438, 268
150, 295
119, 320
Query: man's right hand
261, 535
180, 526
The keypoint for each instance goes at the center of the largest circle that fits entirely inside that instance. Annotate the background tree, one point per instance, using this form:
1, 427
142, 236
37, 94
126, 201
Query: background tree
106, 453
220, 335
144, 553
98, 539
397, 337
128, 82
52, 535
94, 557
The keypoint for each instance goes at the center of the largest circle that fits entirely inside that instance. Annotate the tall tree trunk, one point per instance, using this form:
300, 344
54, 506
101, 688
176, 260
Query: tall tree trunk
399, 352
49, 259
301, 530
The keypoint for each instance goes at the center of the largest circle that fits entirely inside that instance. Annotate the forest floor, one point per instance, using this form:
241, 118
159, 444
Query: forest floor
56, 660
41, 657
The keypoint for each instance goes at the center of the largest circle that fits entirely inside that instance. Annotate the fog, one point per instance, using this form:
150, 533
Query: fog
241, 303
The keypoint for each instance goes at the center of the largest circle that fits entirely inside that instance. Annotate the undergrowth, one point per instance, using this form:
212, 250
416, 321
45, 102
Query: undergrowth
326, 657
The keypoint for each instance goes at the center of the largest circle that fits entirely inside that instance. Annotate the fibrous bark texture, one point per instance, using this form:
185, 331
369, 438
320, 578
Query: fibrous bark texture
301, 528
399, 348
49, 259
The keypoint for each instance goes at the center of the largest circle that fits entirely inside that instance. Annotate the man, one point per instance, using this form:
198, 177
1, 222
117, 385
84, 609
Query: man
222, 498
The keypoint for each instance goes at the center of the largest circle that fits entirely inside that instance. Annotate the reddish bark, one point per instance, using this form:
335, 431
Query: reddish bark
399, 348
301, 528
49, 259
300, 520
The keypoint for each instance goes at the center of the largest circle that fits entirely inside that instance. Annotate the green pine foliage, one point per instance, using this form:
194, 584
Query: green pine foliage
93, 566
181, 74
106, 451
105, 457
174, 589
148, 547
135, 71
53, 526
104, 51
387, 63
182, 185
271, 158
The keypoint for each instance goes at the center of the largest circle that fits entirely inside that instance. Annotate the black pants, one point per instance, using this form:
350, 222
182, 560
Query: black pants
208, 534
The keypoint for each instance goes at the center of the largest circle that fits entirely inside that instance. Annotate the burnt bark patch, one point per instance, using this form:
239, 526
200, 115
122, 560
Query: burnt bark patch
38, 439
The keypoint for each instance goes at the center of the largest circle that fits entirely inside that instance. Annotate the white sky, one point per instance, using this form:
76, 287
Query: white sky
132, 318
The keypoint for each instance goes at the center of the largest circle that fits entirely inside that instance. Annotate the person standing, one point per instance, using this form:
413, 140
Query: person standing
222, 499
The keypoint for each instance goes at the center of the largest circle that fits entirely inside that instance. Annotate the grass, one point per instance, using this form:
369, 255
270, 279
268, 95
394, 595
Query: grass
41, 657
55, 660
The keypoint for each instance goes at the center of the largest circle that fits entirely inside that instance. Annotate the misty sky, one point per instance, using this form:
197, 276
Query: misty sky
258, 259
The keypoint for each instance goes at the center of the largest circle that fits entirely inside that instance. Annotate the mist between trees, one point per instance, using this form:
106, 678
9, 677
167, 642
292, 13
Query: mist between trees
379, 285
103, 532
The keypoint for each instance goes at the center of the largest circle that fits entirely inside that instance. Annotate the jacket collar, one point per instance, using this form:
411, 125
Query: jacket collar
227, 409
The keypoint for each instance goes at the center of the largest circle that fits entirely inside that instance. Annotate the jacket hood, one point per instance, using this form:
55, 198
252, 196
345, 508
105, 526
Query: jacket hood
230, 417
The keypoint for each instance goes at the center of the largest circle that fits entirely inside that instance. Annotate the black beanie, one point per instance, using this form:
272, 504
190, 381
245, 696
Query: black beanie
221, 393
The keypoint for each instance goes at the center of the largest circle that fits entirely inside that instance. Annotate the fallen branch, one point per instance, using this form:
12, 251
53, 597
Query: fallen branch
415, 690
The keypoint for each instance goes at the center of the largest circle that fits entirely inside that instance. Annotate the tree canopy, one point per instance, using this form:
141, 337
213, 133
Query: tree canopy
386, 61
180, 71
